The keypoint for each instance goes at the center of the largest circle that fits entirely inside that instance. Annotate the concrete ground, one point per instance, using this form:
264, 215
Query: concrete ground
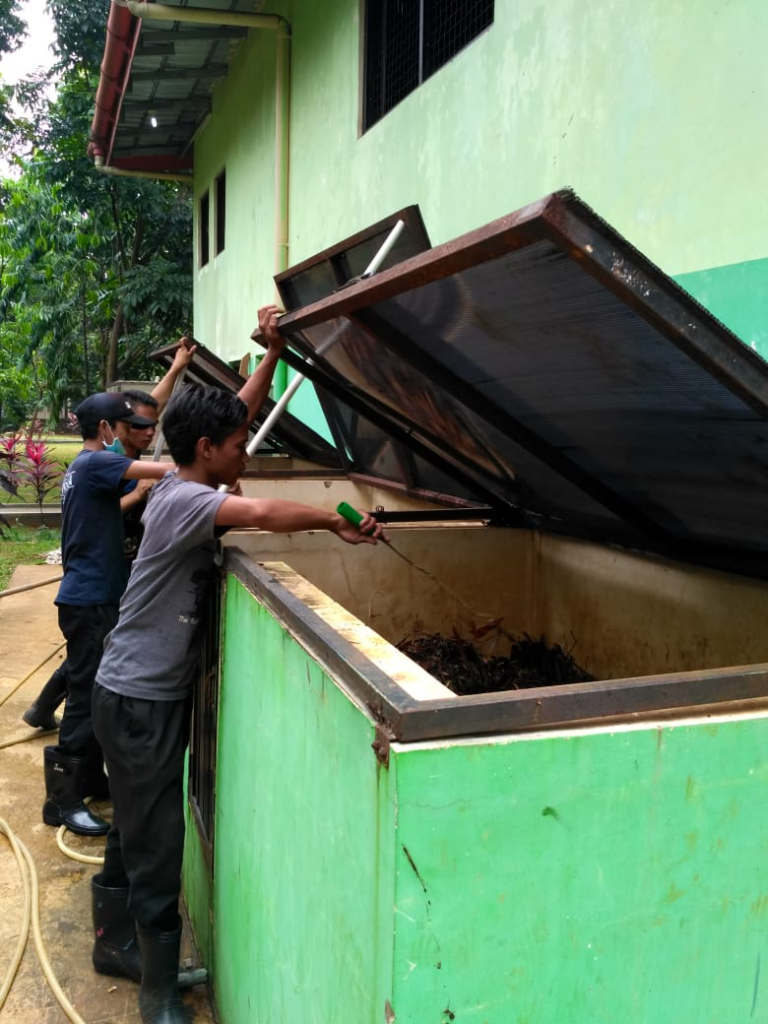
28, 632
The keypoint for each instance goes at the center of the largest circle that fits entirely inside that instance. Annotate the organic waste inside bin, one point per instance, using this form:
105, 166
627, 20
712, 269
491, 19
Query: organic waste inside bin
459, 665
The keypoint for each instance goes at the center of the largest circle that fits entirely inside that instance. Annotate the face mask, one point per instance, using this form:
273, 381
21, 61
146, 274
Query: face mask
115, 445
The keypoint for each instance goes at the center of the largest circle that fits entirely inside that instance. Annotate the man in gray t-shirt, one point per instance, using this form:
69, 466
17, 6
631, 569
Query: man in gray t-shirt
142, 698
161, 609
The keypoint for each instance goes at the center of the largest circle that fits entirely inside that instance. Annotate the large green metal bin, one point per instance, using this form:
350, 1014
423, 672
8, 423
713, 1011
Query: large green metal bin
493, 870
379, 850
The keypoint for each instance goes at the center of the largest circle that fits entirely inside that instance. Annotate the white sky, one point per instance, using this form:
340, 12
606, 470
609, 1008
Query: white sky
34, 52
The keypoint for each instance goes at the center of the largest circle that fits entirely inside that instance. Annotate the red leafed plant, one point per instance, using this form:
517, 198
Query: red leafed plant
42, 472
11, 457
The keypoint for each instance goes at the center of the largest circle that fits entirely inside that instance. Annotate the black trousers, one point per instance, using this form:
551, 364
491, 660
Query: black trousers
144, 742
85, 628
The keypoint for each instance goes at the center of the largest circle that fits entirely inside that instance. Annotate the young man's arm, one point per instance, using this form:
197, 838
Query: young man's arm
279, 516
136, 496
256, 388
140, 470
162, 391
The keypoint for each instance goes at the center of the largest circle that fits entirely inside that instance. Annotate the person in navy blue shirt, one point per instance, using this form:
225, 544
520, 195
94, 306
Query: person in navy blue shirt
135, 436
95, 576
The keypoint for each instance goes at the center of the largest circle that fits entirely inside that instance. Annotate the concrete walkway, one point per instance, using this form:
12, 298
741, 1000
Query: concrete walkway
29, 631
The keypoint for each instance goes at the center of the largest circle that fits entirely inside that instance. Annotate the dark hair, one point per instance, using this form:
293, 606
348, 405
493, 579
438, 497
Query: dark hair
198, 411
140, 398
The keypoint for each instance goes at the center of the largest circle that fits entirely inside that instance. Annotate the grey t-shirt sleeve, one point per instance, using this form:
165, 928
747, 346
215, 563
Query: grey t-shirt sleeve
180, 514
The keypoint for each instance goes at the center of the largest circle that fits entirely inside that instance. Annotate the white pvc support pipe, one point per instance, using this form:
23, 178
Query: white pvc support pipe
202, 15
120, 172
299, 379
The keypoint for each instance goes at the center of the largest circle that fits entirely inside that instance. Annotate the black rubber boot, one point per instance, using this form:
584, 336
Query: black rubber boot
64, 781
116, 949
40, 715
159, 999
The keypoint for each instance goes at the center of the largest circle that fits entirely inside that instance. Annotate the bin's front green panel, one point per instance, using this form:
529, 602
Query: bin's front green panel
303, 856
619, 878
197, 882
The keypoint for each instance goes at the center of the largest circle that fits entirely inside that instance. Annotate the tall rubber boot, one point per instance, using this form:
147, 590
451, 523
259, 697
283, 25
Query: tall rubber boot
64, 782
116, 948
40, 715
159, 999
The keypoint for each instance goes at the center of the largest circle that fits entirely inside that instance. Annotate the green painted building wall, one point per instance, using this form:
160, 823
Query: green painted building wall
655, 116
606, 874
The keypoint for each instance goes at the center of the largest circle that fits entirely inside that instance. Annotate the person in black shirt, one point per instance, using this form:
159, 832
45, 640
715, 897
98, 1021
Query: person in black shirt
135, 438
95, 575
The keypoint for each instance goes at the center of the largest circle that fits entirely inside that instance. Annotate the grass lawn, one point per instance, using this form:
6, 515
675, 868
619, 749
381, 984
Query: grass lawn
22, 546
63, 447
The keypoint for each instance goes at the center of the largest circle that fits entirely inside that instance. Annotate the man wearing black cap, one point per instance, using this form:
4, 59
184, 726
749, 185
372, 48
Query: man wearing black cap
95, 576
135, 438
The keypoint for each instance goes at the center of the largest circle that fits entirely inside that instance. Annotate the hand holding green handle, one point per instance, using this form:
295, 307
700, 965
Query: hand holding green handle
350, 514
355, 518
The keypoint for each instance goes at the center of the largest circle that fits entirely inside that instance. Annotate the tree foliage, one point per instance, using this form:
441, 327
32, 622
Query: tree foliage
12, 28
94, 271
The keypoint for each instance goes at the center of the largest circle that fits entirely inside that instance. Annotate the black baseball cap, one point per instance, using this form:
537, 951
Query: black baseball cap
110, 406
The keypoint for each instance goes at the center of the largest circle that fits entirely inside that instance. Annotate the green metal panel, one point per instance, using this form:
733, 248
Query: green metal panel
736, 294
608, 877
198, 890
304, 834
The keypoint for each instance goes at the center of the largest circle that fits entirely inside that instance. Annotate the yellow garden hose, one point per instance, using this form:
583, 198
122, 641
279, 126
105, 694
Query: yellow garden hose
24, 931
29, 736
29, 877
30, 674
31, 912
84, 858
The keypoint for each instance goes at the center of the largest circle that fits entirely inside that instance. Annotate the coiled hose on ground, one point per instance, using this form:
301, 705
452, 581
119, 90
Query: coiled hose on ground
29, 881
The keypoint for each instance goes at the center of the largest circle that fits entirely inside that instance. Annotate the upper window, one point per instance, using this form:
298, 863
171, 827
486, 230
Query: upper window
203, 229
221, 211
408, 40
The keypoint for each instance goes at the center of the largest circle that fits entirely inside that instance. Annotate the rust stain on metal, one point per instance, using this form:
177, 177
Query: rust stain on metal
380, 746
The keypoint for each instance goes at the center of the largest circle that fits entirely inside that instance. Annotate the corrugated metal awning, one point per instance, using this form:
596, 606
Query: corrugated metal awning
156, 83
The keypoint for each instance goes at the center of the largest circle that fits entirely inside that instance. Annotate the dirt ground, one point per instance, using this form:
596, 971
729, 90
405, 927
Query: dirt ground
28, 632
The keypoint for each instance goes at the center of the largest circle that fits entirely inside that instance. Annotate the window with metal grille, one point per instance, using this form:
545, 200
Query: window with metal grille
202, 743
406, 41
203, 228
221, 211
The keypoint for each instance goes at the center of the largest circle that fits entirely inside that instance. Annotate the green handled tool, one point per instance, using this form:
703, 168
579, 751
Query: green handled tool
353, 516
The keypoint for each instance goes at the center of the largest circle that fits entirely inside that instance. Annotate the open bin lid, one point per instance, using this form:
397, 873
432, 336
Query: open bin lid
333, 268
550, 370
289, 436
